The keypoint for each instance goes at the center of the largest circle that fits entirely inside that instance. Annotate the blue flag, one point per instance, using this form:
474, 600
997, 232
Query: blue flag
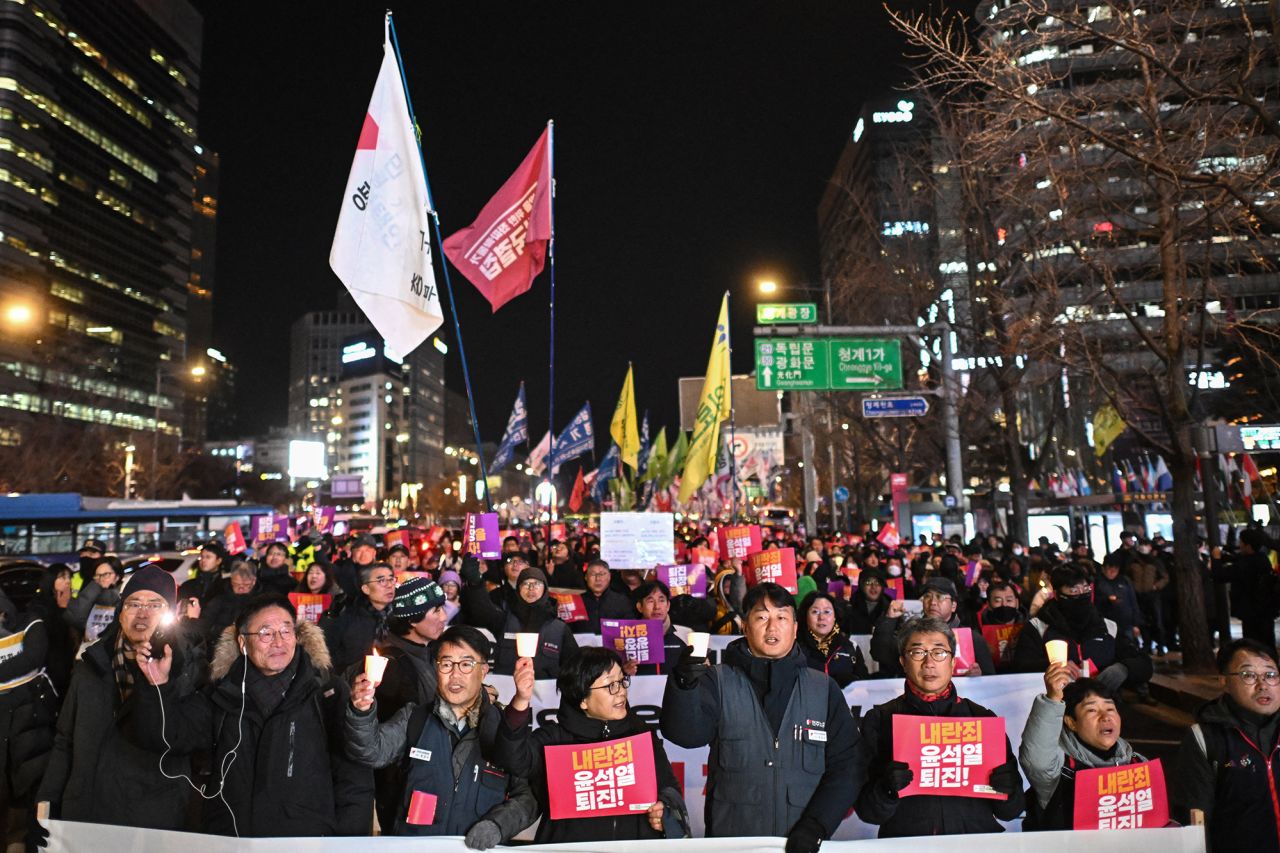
579, 437
517, 433
607, 471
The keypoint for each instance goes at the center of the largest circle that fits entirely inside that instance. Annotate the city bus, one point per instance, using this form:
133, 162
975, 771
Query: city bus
52, 527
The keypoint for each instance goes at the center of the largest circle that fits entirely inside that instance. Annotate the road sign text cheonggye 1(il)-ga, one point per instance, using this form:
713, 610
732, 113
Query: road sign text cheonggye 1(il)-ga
787, 312
828, 364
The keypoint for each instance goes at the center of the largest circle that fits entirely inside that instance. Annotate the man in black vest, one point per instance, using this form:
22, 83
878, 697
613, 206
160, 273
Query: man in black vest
449, 786
1228, 765
784, 749
926, 650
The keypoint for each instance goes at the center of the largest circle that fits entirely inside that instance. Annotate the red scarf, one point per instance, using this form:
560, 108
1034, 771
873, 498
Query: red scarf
924, 697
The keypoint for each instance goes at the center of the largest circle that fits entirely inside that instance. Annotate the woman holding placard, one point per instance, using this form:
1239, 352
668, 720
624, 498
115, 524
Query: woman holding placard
596, 768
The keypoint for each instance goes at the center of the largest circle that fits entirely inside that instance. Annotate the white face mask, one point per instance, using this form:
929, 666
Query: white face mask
1144, 549
895, 571
1017, 551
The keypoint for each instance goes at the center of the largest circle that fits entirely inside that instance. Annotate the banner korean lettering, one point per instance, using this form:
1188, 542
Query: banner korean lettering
615, 777
480, 535
322, 518
1128, 797
685, 579
637, 540
233, 538
569, 606
1001, 640
774, 566
739, 541
951, 756
310, 606
639, 640
705, 556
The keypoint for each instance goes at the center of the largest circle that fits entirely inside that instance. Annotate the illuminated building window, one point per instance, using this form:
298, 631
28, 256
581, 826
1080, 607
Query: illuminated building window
44, 194
104, 89
33, 157
67, 292
86, 130
163, 328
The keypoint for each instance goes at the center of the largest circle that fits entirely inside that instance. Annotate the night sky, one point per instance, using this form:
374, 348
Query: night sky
693, 141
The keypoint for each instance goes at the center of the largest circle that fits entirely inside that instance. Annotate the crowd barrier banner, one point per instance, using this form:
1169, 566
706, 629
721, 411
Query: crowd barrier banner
1007, 696
66, 837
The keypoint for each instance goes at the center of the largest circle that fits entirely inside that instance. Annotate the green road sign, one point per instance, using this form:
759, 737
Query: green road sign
792, 364
799, 313
828, 364
862, 364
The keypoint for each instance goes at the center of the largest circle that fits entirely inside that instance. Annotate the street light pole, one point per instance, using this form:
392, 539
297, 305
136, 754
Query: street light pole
155, 436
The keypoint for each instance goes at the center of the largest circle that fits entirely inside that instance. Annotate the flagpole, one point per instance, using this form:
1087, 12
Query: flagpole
551, 384
733, 435
444, 266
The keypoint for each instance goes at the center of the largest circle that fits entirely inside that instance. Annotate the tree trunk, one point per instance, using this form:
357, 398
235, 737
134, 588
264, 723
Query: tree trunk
1193, 624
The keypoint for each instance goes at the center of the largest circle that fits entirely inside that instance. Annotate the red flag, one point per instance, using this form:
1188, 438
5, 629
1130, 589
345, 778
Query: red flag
579, 490
1249, 473
503, 251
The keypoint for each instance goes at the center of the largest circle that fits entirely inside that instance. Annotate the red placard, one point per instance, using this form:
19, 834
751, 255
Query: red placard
888, 536
895, 589
569, 606
1128, 797
705, 556
950, 756
776, 565
739, 541
1001, 640
965, 657
393, 538
234, 538
310, 607
422, 809
559, 532
615, 777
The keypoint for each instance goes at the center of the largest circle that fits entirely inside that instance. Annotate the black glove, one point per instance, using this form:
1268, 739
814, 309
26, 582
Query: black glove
470, 573
37, 836
1006, 779
689, 669
483, 835
805, 837
897, 775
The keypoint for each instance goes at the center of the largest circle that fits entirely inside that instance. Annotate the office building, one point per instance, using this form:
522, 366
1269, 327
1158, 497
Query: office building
99, 162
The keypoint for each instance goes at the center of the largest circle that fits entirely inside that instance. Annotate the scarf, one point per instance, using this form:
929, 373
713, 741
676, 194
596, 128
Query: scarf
123, 661
469, 718
924, 697
825, 642
268, 691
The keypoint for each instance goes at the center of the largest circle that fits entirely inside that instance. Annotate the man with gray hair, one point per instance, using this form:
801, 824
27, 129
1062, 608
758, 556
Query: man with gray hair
926, 653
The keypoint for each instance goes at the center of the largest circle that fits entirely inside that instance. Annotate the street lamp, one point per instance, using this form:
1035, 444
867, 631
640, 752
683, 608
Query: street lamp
19, 314
767, 286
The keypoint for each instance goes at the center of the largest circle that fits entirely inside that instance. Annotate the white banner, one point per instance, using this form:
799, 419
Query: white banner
1007, 696
637, 540
66, 837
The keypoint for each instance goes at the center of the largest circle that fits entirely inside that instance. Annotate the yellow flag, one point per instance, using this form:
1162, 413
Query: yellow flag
1107, 426
623, 427
713, 409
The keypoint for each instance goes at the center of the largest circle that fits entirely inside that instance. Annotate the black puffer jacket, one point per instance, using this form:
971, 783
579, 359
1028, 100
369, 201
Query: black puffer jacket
843, 661
290, 776
925, 814
98, 766
555, 644
519, 751
352, 631
28, 711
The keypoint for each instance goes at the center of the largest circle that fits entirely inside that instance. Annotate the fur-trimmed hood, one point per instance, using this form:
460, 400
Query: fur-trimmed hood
310, 640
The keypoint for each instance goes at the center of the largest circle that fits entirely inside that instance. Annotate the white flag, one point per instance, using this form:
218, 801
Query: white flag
382, 249
538, 456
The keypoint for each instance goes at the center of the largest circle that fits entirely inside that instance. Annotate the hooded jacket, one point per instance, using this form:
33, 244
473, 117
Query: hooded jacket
1228, 766
925, 814
1088, 636
695, 712
555, 640
290, 775
1051, 754
520, 752
100, 771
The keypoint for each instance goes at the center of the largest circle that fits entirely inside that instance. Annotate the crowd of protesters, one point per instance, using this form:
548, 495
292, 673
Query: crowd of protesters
218, 706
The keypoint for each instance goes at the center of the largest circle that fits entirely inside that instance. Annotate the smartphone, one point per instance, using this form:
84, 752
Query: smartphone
159, 642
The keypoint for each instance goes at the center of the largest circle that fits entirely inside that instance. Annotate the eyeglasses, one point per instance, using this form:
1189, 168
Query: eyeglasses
531, 584
465, 666
266, 635
1080, 589
615, 687
921, 654
385, 580
149, 606
1250, 677
100, 575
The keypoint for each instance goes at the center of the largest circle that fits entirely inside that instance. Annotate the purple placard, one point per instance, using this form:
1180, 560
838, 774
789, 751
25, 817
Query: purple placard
685, 579
836, 588
263, 529
480, 535
639, 640
322, 518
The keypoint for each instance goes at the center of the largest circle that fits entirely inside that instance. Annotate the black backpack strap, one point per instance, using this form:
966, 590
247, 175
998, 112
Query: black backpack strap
417, 722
